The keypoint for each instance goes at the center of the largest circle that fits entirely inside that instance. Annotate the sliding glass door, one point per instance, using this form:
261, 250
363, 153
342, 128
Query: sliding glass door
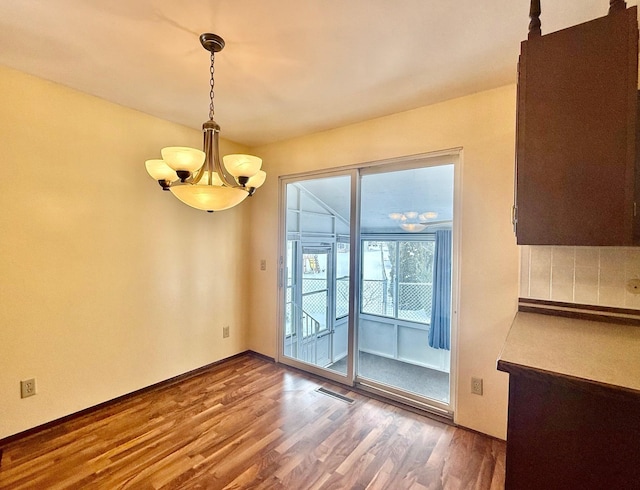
367, 273
316, 271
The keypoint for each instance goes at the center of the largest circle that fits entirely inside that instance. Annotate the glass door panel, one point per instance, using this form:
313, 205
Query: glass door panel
316, 309
400, 229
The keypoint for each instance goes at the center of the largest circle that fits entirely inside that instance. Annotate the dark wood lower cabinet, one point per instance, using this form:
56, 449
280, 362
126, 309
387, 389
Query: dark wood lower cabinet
564, 433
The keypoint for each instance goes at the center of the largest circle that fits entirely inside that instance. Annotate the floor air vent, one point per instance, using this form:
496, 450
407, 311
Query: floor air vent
333, 394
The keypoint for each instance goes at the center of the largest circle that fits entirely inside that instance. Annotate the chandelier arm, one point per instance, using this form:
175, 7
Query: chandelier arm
195, 178
207, 167
213, 156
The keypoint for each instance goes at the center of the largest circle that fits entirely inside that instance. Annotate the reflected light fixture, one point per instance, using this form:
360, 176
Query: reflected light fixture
413, 227
412, 221
198, 178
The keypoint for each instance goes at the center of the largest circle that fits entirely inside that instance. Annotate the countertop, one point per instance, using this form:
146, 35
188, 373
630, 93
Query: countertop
597, 352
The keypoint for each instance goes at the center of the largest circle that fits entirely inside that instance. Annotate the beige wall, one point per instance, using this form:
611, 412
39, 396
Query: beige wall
107, 284
484, 126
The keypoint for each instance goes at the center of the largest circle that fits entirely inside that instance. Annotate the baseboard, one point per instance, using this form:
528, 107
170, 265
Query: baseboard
161, 384
259, 355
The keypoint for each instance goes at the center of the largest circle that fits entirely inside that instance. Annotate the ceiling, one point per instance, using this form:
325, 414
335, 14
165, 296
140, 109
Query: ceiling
419, 190
290, 67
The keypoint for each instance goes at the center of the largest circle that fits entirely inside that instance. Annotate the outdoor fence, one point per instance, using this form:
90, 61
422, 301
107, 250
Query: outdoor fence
378, 297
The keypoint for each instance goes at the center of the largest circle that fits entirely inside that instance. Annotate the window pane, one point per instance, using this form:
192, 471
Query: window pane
376, 295
315, 291
415, 278
342, 279
314, 272
314, 312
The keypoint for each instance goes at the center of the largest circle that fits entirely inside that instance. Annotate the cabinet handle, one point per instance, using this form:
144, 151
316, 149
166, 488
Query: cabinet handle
635, 210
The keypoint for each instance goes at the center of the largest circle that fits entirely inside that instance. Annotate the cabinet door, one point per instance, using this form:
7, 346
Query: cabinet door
576, 134
569, 434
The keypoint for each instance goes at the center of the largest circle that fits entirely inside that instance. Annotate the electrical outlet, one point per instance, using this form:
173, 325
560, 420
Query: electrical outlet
27, 388
263, 265
476, 386
225, 332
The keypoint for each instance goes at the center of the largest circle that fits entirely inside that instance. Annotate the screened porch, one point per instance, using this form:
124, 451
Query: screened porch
399, 297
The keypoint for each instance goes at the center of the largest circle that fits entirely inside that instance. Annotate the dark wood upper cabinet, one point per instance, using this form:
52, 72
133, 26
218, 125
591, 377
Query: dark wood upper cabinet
576, 176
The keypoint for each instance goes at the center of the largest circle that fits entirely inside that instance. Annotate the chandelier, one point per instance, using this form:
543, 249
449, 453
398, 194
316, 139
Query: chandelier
413, 222
198, 178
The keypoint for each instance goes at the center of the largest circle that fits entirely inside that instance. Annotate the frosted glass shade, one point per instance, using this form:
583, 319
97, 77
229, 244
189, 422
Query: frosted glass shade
412, 227
183, 158
242, 165
159, 170
209, 197
215, 179
257, 180
428, 215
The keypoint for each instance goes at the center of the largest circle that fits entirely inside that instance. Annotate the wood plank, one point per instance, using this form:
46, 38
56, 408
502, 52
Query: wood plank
249, 423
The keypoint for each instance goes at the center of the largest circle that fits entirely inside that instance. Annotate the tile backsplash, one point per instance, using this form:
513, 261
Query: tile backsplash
585, 275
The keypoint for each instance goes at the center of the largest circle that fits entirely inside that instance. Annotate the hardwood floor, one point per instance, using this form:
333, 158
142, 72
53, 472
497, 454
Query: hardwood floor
249, 423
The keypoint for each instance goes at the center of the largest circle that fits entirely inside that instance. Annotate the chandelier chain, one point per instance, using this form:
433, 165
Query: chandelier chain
211, 110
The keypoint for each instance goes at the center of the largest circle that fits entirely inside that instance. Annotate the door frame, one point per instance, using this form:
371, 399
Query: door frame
449, 156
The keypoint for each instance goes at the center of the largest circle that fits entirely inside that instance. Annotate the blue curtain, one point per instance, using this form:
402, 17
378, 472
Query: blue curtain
440, 332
